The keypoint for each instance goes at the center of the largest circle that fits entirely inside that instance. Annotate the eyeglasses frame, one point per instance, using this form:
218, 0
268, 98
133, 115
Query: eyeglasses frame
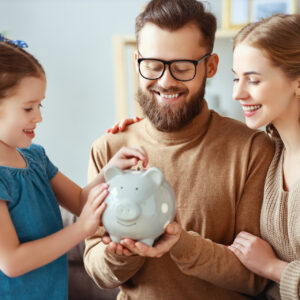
169, 62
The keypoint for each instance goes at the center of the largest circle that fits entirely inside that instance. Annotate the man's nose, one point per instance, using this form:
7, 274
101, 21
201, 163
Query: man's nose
167, 80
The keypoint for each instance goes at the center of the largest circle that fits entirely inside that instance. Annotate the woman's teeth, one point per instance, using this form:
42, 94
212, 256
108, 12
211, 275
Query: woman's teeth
251, 107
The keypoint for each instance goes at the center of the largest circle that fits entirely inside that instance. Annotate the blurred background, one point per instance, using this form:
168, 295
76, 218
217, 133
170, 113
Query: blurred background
73, 40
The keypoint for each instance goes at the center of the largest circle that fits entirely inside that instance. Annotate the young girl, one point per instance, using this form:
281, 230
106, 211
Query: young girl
266, 66
32, 239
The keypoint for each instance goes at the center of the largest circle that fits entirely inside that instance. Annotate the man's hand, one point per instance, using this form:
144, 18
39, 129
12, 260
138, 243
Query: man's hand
115, 248
164, 245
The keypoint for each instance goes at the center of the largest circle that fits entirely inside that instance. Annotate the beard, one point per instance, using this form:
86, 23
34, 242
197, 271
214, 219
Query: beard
170, 117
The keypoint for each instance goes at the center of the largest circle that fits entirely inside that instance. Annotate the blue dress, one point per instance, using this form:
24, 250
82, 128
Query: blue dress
35, 214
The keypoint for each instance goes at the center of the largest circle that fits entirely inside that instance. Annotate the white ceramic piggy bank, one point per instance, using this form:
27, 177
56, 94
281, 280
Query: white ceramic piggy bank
139, 204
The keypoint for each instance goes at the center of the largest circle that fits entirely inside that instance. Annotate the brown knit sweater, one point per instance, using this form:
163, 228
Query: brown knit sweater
280, 226
217, 167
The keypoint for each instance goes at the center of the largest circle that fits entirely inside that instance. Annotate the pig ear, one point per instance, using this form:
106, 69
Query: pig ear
111, 172
155, 175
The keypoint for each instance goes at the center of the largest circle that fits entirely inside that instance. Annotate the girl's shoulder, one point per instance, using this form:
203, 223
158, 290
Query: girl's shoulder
37, 159
34, 151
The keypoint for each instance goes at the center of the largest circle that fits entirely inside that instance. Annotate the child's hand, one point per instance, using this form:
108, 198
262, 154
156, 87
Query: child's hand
91, 214
127, 157
121, 125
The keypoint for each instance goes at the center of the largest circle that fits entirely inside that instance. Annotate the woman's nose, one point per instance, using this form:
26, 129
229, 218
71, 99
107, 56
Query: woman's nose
239, 91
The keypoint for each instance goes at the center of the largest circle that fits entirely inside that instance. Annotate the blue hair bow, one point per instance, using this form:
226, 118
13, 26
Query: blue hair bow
18, 43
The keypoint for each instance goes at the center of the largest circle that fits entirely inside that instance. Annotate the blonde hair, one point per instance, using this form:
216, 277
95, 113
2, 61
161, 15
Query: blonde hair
279, 37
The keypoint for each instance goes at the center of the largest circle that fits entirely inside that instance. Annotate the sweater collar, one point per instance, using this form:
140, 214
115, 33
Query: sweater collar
197, 127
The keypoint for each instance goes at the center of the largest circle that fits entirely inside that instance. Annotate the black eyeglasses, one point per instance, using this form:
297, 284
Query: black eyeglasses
180, 69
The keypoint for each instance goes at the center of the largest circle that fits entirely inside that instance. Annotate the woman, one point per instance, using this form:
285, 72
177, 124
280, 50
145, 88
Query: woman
266, 66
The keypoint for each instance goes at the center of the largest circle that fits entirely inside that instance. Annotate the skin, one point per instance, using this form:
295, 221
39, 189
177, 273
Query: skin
260, 84
184, 43
20, 112
273, 96
154, 42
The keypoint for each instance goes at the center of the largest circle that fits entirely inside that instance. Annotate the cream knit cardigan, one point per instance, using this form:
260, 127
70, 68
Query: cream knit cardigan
280, 225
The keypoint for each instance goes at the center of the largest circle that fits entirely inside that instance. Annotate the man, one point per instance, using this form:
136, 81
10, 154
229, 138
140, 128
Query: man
216, 166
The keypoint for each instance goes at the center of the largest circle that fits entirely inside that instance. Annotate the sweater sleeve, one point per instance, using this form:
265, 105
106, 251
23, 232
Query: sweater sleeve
107, 270
213, 262
289, 282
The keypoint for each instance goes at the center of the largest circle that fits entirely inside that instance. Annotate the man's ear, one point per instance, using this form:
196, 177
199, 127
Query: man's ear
212, 65
136, 56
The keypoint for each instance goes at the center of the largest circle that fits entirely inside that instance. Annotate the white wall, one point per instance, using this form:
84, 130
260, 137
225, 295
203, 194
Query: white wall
73, 41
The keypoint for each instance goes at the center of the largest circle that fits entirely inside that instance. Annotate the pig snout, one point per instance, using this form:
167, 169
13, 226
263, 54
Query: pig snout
127, 211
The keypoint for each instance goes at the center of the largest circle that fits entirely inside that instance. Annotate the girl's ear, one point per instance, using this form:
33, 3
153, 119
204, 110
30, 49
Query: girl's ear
212, 65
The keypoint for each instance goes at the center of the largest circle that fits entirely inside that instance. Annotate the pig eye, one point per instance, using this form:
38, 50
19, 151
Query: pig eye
136, 188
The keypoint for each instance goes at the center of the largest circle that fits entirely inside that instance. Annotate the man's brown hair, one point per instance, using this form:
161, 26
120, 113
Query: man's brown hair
174, 14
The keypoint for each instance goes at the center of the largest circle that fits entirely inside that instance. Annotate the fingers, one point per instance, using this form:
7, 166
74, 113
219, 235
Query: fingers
100, 210
128, 163
138, 152
106, 239
246, 240
144, 156
135, 247
243, 244
97, 190
142, 249
113, 129
246, 235
118, 249
236, 250
122, 124
173, 228
137, 119
99, 199
145, 250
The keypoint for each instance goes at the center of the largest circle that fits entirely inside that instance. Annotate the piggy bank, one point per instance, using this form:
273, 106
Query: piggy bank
139, 204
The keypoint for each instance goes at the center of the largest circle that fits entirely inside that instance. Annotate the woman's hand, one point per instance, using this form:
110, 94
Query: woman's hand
121, 125
257, 256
